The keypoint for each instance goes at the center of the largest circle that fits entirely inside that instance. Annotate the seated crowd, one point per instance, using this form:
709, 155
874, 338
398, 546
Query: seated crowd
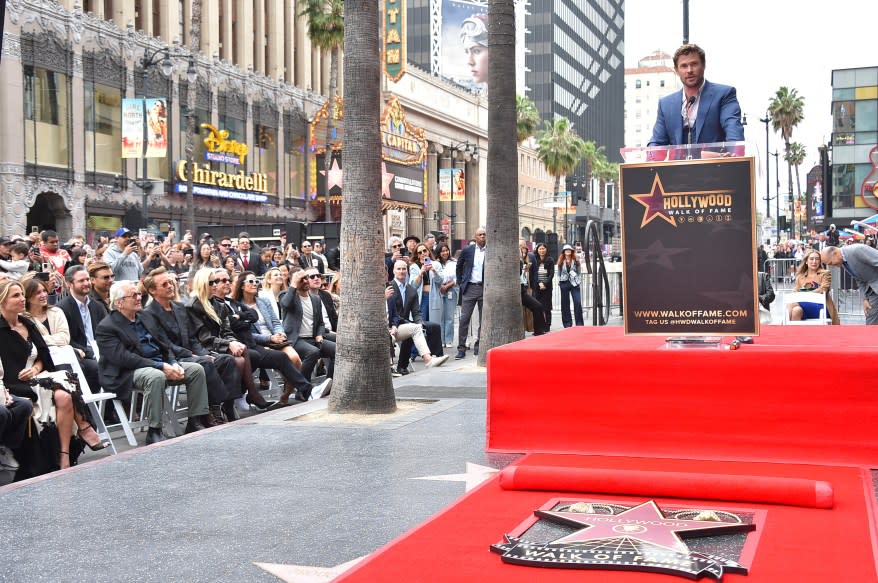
130, 323
137, 314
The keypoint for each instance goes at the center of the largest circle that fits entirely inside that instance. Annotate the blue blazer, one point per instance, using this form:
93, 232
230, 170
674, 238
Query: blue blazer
272, 321
719, 118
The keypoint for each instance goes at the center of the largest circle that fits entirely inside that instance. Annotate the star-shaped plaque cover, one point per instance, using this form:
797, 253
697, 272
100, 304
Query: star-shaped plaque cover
644, 522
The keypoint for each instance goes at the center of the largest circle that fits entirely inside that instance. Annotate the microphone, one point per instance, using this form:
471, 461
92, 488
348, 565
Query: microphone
689, 103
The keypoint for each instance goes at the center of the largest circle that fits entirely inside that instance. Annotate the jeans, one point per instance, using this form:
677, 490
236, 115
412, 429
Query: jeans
568, 291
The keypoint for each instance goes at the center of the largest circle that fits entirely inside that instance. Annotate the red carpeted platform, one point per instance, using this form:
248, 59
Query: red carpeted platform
793, 543
784, 429
799, 393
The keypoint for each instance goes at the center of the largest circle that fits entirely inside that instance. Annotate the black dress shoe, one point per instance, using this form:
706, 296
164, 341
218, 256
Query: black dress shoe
460, 354
154, 435
194, 424
261, 404
228, 408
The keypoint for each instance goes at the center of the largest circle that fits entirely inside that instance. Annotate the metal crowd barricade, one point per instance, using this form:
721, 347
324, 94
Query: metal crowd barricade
615, 299
781, 273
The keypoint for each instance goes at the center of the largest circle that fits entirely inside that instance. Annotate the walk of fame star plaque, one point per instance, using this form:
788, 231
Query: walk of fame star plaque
596, 534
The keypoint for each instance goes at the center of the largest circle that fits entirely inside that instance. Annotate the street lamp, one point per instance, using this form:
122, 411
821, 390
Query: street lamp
163, 56
776, 155
766, 121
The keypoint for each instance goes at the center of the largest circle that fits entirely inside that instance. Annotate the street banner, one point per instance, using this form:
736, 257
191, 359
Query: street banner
452, 184
144, 128
132, 128
157, 128
688, 256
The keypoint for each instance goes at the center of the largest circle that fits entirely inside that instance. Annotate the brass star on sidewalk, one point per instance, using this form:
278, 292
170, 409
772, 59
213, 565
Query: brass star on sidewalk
307, 574
475, 475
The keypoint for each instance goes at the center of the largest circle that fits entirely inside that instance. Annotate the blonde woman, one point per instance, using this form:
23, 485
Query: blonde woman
811, 276
273, 285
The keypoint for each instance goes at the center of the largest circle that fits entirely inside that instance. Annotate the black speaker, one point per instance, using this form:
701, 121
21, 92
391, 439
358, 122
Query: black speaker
781, 223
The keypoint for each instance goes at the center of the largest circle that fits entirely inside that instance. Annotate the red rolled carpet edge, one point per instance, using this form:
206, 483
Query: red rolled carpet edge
739, 488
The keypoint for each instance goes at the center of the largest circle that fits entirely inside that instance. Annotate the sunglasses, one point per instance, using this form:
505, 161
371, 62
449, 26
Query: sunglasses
134, 295
395, 246
221, 280
104, 277
313, 276
225, 244
251, 282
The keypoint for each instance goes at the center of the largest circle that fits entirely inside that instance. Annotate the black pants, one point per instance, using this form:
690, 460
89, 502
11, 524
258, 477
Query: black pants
222, 376
433, 334
311, 352
13, 421
261, 357
536, 308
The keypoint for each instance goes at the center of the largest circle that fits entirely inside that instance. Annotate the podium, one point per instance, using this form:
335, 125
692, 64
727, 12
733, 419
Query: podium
688, 241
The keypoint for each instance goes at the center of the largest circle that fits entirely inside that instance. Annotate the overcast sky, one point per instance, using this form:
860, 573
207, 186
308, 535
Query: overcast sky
748, 47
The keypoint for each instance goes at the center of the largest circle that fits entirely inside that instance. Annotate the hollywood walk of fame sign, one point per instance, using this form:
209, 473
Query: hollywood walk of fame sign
636, 538
688, 256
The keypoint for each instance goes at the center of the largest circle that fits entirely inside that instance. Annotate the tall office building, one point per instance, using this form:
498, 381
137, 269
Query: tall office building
576, 66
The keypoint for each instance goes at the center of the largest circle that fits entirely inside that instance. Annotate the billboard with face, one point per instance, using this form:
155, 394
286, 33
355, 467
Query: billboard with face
464, 53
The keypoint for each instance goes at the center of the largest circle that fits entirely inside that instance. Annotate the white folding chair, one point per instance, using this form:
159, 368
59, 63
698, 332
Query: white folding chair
793, 297
94, 401
170, 408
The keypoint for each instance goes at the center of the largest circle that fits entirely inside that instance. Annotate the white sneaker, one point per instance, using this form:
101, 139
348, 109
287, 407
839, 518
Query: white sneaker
242, 404
437, 361
320, 389
7, 460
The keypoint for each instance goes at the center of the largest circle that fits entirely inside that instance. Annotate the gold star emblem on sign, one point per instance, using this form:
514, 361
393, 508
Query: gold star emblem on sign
654, 203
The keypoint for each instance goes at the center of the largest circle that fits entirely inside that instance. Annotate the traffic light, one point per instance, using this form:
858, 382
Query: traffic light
781, 223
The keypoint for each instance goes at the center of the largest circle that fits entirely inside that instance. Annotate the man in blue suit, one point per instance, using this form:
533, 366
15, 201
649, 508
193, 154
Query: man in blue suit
701, 112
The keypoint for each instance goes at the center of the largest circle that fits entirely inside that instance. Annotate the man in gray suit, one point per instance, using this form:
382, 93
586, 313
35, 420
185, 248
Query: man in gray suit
861, 263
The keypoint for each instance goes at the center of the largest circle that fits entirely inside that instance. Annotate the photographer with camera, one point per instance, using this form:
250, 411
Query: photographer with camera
123, 256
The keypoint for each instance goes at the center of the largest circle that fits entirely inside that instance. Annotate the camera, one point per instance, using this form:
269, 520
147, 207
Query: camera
42, 275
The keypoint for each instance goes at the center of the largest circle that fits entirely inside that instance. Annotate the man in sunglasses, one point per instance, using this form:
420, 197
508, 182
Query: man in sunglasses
169, 316
101, 279
134, 355
303, 323
395, 253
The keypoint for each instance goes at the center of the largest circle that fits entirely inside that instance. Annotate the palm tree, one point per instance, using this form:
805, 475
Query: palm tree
502, 321
326, 31
787, 111
362, 381
191, 130
527, 118
605, 171
560, 150
795, 157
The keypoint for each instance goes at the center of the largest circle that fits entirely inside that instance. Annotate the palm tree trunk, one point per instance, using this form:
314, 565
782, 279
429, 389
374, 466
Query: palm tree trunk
191, 130
362, 381
502, 322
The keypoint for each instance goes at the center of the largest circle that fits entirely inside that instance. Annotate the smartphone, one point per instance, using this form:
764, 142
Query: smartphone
427, 261
42, 275
47, 267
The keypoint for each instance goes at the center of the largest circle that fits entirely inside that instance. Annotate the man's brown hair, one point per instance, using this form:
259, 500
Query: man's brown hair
689, 49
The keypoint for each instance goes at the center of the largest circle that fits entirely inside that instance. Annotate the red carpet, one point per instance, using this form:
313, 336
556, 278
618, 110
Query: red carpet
800, 393
805, 545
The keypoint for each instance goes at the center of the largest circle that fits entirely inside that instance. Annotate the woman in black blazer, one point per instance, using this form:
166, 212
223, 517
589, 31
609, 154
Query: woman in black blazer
542, 272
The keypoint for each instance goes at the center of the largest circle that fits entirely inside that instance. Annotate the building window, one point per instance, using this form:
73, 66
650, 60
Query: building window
46, 102
662, 83
637, 84
103, 128
264, 155
294, 162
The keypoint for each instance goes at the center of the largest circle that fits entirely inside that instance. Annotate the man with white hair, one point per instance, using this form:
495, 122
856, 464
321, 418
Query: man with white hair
394, 244
133, 356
